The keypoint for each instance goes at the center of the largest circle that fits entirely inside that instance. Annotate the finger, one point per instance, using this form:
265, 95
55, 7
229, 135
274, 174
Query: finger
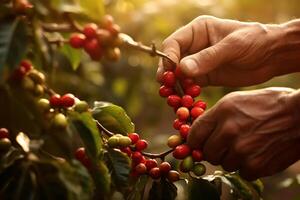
231, 161
160, 71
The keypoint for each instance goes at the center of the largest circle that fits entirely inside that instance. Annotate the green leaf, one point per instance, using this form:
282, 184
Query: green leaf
93, 9
163, 190
101, 178
138, 188
113, 117
119, 165
13, 42
73, 55
202, 189
10, 158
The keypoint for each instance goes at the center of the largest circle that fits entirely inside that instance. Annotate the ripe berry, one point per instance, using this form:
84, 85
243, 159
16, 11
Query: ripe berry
199, 169
174, 141
141, 168
193, 90
174, 101
114, 29
169, 79
4, 133
184, 131
80, 154
86, 162
92, 46
164, 167
126, 150
177, 123
181, 151
90, 30
26, 64
165, 91
5, 144
107, 21
155, 173
141, 145
187, 101
134, 137
19, 73
113, 141
173, 176
60, 121
196, 112
200, 104
124, 141
185, 83
178, 73
77, 40
137, 157
55, 100
187, 164
21, 6
183, 113
68, 100
151, 163
197, 155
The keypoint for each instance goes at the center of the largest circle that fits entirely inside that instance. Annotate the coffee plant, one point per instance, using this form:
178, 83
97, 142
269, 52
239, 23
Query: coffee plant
83, 151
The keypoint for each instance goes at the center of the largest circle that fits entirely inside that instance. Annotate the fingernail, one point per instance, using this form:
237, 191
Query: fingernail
190, 66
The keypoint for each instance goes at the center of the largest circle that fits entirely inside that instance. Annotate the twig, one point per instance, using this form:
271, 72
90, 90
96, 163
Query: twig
53, 27
157, 155
49, 91
102, 128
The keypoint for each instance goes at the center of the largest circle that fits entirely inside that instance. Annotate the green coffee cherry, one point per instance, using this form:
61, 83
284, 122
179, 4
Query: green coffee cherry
38, 90
27, 84
187, 164
43, 105
81, 106
5, 144
113, 142
60, 121
37, 76
199, 169
124, 141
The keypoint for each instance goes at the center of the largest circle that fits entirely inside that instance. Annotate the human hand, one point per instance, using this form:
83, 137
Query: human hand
223, 52
256, 132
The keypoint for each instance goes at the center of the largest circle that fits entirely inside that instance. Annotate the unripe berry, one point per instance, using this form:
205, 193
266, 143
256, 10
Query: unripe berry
165, 91
60, 121
126, 150
184, 131
197, 155
174, 101
4, 133
43, 105
187, 164
155, 173
141, 168
26, 64
169, 79
181, 151
193, 90
196, 112
113, 142
81, 106
141, 145
77, 40
183, 113
151, 163
173, 176
174, 141
90, 30
36, 76
55, 101
80, 154
114, 29
164, 167
27, 84
5, 144
38, 90
200, 104
177, 124
68, 100
113, 54
134, 137
107, 21
199, 169
137, 157
187, 101
124, 141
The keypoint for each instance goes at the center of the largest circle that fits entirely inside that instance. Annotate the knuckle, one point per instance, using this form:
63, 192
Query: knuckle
205, 18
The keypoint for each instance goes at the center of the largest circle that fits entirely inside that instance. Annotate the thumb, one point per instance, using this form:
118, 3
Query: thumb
205, 61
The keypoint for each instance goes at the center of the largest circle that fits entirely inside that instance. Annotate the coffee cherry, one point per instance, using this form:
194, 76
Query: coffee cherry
134, 137
38, 90
126, 150
113, 54
60, 121
177, 124
90, 30
107, 21
4, 133
80, 154
174, 141
124, 141
19, 73
197, 155
27, 84
137, 157
169, 79
155, 173
36, 76
196, 112
21, 6
178, 73
193, 90
77, 40
173, 176
68, 100
187, 101
187, 164
200, 104
113, 142
92, 46
181, 151
199, 169
141, 145
151, 163
86, 162
183, 113
165, 91
174, 101
141, 168
26, 64
43, 105
184, 131
81, 106
5, 144
55, 101
186, 82
164, 167
114, 29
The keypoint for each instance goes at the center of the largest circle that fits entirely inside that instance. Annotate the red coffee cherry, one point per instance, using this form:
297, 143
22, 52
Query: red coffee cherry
26, 64
181, 151
196, 112
134, 137
173, 176
137, 157
184, 131
193, 90
141, 169
126, 150
185, 83
155, 173
91, 45
174, 101
4, 133
55, 101
183, 113
19, 73
197, 155
90, 30
178, 73
169, 79
200, 104
187, 101
177, 124
77, 40
165, 91
86, 162
151, 163
141, 145
68, 100
80, 154
164, 167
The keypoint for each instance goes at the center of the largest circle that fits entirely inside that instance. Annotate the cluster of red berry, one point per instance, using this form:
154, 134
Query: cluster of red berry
5, 142
99, 41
